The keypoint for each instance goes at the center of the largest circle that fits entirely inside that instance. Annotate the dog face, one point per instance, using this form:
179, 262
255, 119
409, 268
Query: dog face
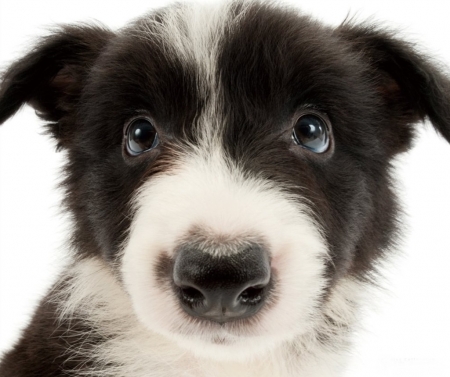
230, 164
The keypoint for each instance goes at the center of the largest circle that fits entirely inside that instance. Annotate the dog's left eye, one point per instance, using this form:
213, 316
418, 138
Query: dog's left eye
141, 136
311, 132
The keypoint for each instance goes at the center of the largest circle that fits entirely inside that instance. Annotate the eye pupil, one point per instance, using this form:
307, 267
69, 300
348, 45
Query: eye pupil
141, 136
311, 132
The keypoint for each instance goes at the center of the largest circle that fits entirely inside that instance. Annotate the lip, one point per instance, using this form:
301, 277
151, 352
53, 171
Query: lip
220, 340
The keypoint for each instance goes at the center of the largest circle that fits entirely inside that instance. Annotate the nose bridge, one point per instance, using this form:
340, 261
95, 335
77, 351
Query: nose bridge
224, 270
219, 193
212, 191
220, 242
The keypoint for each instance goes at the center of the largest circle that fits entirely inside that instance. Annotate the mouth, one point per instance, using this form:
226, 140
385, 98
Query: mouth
226, 346
221, 340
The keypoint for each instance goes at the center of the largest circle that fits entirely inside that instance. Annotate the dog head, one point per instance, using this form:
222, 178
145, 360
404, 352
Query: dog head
230, 164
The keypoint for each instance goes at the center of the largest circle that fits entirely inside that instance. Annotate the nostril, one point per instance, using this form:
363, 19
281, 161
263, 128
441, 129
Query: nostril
192, 296
252, 295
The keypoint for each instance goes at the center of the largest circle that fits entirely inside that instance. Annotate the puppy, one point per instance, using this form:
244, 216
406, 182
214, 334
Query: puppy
229, 179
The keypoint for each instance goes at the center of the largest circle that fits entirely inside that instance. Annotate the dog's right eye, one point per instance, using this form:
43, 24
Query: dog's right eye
141, 136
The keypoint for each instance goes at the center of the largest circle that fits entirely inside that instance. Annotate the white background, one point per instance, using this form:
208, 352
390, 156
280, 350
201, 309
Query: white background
407, 329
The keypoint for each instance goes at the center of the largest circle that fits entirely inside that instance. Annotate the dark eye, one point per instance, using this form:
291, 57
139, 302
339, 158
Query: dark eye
141, 136
311, 132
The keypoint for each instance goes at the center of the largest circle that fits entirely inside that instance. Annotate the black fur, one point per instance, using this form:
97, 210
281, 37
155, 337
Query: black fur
87, 81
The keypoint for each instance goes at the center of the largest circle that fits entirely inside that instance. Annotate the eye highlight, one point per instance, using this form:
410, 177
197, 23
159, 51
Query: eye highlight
311, 131
141, 136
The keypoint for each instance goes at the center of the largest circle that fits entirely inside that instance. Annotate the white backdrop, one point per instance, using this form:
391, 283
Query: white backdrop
406, 332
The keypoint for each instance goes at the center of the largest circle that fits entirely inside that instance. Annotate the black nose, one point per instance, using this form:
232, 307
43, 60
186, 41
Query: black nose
222, 288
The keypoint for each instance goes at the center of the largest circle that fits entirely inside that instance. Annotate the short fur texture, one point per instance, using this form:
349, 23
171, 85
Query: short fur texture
224, 85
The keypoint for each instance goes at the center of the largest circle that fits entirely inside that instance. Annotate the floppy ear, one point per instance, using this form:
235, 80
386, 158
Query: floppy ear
412, 85
51, 76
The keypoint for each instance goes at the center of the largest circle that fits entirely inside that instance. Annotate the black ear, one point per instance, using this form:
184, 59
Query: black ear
413, 86
50, 78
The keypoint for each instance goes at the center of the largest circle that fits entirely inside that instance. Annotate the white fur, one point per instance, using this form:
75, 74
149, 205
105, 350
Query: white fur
95, 295
206, 191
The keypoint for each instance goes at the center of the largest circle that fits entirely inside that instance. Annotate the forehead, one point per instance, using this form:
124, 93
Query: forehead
230, 60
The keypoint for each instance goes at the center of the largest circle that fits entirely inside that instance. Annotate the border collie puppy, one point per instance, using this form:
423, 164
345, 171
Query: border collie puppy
228, 174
